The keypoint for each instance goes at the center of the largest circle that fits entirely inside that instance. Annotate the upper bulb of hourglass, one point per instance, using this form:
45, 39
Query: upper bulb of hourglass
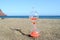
34, 15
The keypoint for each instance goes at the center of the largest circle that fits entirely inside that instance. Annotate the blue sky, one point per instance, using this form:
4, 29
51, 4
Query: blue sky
24, 7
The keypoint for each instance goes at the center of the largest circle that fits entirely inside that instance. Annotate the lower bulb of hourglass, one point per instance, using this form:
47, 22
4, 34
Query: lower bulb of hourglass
35, 33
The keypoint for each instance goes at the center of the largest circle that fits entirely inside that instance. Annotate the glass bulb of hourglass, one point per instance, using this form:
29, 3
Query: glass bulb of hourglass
34, 18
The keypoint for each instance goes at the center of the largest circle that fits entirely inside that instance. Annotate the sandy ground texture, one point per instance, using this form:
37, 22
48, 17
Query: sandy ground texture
49, 29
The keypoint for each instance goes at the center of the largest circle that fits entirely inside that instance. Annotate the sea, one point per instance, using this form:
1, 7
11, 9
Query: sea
42, 17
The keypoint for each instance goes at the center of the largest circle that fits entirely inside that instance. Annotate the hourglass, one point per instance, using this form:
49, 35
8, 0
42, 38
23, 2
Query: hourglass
33, 18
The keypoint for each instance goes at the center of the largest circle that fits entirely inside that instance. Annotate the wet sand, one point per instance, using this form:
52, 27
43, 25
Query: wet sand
49, 29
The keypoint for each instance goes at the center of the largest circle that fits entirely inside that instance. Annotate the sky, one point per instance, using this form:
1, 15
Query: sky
24, 7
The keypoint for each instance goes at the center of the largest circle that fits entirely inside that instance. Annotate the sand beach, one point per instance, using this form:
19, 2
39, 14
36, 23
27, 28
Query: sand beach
49, 29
